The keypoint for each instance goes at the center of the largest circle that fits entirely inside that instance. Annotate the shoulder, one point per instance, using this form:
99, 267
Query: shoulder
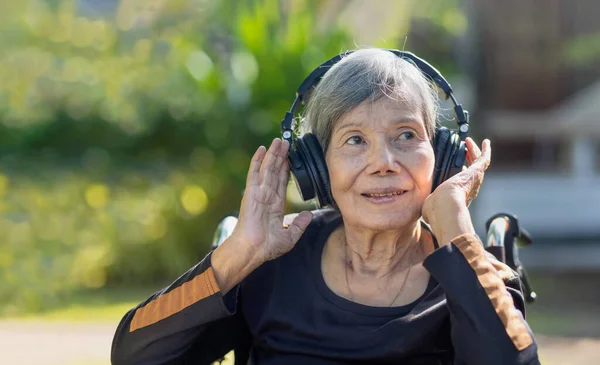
322, 224
324, 219
300, 258
321, 217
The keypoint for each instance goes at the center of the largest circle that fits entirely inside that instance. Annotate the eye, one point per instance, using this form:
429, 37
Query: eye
406, 136
354, 140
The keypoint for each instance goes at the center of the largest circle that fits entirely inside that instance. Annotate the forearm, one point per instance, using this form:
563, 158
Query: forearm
487, 326
232, 262
162, 328
455, 221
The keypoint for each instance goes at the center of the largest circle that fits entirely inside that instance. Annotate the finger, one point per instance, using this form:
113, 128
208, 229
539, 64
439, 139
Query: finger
477, 171
483, 161
487, 150
470, 158
280, 161
473, 151
299, 225
267, 170
254, 170
284, 176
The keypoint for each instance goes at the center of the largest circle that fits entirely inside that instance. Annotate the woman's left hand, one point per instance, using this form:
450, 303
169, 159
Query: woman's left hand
446, 209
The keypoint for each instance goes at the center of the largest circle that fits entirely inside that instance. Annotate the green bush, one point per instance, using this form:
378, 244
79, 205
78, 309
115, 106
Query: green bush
126, 133
125, 142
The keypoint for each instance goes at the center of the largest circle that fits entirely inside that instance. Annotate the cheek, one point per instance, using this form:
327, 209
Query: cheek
342, 172
422, 164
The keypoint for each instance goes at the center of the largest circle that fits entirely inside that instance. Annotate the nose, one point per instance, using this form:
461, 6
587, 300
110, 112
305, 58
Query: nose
382, 160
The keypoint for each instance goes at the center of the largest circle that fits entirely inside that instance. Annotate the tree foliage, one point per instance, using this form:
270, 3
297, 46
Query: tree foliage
126, 130
126, 133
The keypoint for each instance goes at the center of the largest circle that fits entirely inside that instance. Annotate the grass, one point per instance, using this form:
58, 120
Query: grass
566, 305
229, 360
101, 305
569, 323
108, 305
80, 313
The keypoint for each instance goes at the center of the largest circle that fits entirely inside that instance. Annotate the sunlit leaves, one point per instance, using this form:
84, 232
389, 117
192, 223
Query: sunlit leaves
96, 195
61, 230
194, 199
583, 50
244, 67
199, 64
128, 135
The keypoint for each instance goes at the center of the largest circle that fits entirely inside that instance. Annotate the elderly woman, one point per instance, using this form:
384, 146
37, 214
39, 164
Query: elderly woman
392, 274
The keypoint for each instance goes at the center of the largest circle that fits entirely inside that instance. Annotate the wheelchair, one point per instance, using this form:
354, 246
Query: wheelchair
504, 237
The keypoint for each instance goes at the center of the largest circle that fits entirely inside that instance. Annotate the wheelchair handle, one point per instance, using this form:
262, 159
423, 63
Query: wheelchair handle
224, 229
504, 237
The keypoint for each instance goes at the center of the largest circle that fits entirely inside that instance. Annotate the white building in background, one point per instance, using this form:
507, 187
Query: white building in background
562, 204
538, 105
538, 88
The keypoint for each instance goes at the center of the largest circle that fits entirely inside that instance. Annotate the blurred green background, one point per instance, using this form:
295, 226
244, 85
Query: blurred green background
127, 130
127, 127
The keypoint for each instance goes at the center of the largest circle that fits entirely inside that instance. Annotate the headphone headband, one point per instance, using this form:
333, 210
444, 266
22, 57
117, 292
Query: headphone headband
307, 161
462, 116
423, 65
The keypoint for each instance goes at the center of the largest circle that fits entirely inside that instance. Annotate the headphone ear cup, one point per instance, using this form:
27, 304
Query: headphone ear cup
309, 170
440, 149
458, 157
317, 159
450, 154
300, 170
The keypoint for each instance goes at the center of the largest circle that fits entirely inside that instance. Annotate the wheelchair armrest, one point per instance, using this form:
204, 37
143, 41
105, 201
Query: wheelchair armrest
504, 237
224, 229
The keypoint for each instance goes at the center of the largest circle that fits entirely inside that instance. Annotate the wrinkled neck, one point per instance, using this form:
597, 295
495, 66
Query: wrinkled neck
378, 253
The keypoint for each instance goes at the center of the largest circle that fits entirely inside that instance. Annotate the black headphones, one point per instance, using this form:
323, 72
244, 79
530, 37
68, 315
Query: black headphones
307, 161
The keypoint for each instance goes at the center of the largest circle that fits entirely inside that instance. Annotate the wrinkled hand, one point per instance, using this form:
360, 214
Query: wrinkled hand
260, 222
446, 208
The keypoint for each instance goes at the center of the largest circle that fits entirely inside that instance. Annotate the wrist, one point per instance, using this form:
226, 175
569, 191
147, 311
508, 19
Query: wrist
231, 262
453, 225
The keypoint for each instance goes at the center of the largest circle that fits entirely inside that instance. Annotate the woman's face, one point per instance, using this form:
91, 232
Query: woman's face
380, 163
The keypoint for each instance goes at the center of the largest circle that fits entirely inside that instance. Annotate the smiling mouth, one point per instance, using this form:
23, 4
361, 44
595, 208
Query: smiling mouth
368, 195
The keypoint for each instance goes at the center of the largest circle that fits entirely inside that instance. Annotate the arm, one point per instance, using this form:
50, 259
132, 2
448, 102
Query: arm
485, 303
486, 315
191, 312
196, 317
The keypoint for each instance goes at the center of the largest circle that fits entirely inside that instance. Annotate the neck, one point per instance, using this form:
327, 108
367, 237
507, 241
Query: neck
378, 253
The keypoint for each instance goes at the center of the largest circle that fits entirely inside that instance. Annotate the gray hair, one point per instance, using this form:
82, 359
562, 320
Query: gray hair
366, 74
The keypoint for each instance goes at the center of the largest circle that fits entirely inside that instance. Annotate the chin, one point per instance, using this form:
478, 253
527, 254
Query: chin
388, 222
382, 219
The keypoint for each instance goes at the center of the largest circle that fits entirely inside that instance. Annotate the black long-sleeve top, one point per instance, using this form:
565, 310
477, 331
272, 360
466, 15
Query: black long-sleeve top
472, 312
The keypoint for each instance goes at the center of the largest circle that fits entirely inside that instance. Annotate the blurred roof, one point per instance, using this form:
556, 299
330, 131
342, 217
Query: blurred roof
576, 116
582, 110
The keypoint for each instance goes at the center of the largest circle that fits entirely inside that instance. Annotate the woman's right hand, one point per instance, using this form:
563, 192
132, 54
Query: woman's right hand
259, 234
260, 222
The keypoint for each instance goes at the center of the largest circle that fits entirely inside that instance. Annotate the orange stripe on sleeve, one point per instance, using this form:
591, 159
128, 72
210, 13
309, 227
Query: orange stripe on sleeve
491, 280
200, 287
